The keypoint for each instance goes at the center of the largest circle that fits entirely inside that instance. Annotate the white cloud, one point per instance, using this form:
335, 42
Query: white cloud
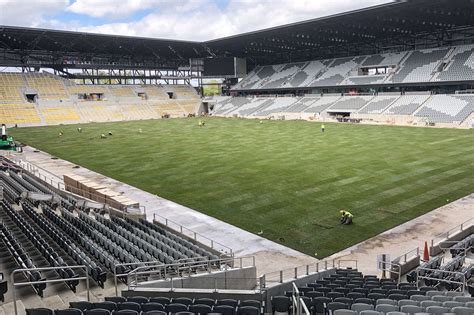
110, 8
30, 12
194, 19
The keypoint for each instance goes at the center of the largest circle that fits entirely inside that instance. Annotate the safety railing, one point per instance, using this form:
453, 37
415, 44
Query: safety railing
403, 258
82, 196
182, 265
193, 235
45, 281
451, 244
299, 306
445, 235
286, 275
139, 276
419, 277
390, 267
41, 173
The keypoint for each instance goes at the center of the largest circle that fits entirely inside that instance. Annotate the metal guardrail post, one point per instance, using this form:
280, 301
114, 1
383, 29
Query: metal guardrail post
462, 283
262, 282
12, 280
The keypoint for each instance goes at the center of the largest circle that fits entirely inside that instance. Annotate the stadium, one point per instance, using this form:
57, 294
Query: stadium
323, 167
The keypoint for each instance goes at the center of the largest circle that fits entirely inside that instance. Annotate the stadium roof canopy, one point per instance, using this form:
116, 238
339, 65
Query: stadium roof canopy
399, 25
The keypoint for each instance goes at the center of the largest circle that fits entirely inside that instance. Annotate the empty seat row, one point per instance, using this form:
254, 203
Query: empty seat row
125, 244
185, 300
64, 241
110, 249
138, 304
22, 258
43, 246
171, 249
150, 228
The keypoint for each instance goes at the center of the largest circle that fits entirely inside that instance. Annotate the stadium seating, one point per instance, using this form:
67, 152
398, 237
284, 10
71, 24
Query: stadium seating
336, 72
447, 108
145, 306
54, 114
461, 67
350, 103
406, 105
10, 88
47, 86
61, 101
279, 104
420, 65
402, 67
378, 104
21, 114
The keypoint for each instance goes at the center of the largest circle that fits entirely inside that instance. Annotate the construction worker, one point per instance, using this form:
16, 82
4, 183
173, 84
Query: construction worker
322, 127
4, 132
346, 217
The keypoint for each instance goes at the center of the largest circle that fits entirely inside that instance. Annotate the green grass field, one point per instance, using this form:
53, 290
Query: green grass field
284, 178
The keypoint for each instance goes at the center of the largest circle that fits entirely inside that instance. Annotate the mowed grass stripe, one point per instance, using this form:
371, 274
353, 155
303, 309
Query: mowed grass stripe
284, 178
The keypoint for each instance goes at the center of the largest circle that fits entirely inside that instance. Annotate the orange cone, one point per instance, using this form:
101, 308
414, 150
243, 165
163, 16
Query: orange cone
426, 254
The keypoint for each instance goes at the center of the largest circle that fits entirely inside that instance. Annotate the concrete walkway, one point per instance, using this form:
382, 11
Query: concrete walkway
270, 256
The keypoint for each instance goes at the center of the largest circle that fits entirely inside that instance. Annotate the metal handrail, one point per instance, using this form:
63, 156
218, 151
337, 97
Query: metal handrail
150, 264
295, 299
163, 268
461, 227
405, 256
305, 308
194, 235
466, 247
392, 264
418, 277
320, 265
17, 284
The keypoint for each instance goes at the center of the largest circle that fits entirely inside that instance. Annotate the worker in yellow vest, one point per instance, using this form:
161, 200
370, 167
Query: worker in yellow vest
346, 217
322, 127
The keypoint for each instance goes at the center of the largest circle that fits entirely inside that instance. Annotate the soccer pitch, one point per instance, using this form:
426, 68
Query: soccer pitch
286, 179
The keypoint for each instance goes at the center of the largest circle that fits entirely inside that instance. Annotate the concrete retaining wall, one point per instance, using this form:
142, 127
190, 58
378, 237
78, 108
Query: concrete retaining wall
436, 248
287, 286
234, 279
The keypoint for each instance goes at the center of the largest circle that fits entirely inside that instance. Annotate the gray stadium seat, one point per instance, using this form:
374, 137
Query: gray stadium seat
248, 310
97, 311
201, 309
384, 308
358, 307
407, 302
459, 310
441, 298
39, 311
386, 302
152, 306
437, 309
224, 309
127, 312
68, 311
420, 298
426, 304
463, 299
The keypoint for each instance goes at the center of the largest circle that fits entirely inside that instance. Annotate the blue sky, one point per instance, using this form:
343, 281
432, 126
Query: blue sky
177, 19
